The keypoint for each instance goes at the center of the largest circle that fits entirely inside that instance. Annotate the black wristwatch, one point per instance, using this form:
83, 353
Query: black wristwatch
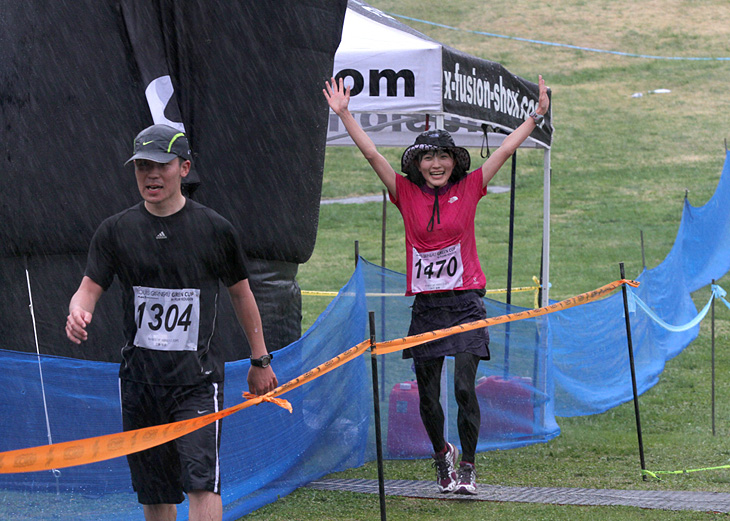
537, 117
264, 361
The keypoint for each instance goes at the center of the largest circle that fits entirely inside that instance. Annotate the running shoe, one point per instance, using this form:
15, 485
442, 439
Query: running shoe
467, 479
444, 463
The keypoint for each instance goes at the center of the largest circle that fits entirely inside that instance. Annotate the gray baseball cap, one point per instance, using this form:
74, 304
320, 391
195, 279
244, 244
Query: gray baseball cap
161, 144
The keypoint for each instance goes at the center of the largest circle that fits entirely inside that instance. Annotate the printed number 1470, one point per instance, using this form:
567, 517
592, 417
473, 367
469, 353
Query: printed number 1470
435, 269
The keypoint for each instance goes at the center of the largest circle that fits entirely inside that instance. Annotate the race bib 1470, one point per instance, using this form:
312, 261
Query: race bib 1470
167, 319
437, 270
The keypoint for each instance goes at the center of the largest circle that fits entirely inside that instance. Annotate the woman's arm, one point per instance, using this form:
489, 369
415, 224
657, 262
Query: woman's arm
512, 142
338, 98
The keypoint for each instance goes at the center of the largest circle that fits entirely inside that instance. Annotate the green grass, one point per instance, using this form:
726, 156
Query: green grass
621, 166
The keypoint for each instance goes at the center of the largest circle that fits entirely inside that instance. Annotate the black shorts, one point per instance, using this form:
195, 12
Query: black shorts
161, 474
432, 311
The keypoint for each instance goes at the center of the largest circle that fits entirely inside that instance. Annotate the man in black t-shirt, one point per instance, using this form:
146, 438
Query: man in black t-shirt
169, 254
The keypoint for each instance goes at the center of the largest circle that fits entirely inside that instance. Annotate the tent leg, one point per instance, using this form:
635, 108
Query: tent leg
545, 275
511, 240
712, 321
510, 252
382, 285
633, 373
376, 406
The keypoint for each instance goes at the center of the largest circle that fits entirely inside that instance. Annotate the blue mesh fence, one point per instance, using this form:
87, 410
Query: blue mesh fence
573, 362
266, 452
590, 358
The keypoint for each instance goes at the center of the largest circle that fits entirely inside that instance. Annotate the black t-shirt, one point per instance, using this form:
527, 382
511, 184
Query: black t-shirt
169, 269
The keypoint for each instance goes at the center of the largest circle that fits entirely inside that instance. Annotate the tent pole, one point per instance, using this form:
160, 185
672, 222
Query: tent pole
633, 372
535, 359
539, 282
383, 227
382, 286
547, 173
376, 406
545, 258
712, 328
511, 240
510, 252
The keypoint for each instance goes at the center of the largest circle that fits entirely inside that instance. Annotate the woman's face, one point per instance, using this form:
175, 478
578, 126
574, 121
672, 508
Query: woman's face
436, 167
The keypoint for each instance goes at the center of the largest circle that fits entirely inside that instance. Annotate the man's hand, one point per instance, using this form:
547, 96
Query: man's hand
261, 380
81, 308
76, 323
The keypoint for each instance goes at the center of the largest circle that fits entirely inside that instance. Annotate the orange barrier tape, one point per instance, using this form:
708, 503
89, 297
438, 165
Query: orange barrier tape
91, 450
266, 398
399, 344
324, 368
100, 448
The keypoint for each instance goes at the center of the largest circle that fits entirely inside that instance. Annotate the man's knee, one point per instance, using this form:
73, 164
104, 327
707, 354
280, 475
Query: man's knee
205, 505
160, 512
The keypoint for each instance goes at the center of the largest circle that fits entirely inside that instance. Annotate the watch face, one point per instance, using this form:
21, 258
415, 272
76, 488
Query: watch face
264, 361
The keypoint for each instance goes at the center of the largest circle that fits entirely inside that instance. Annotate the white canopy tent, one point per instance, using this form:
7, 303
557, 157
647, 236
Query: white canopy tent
403, 82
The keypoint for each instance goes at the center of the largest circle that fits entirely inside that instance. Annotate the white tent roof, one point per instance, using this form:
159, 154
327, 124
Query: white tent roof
399, 76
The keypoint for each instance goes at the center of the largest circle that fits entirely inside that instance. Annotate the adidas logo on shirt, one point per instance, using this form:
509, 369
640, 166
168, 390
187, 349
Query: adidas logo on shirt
161, 236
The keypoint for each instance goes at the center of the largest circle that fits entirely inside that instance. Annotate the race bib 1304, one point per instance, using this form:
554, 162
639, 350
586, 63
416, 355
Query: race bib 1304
167, 319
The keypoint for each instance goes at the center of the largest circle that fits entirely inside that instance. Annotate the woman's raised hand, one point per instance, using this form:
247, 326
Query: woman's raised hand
338, 97
543, 102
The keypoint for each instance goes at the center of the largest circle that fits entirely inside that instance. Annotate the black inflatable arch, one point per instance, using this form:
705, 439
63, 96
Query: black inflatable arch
79, 79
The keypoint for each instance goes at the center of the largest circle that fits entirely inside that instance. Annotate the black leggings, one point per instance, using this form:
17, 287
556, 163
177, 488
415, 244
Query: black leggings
428, 375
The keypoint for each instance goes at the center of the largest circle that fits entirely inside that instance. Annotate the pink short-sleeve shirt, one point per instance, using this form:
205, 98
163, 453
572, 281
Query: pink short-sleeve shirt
444, 258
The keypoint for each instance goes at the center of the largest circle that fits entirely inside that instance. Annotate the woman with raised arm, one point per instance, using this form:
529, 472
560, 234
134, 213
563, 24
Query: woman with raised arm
437, 199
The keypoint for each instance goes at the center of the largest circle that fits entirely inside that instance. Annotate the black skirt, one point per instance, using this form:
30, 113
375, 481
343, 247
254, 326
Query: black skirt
432, 311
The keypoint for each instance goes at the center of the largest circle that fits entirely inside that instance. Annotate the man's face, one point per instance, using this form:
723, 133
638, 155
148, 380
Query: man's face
160, 183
